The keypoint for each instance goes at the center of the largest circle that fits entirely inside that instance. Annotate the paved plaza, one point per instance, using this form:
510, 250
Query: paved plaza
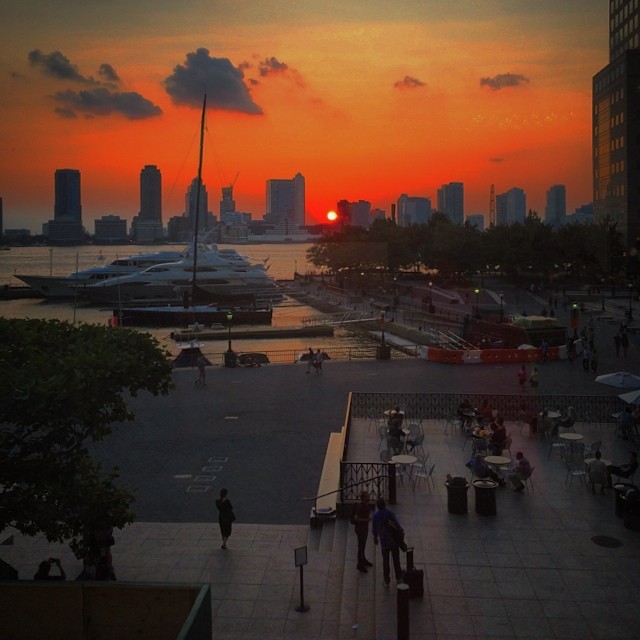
531, 571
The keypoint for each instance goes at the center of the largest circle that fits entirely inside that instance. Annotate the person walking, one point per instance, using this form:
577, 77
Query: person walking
624, 343
360, 517
309, 360
225, 516
533, 379
202, 371
317, 362
616, 340
387, 530
586, 356
594, 360
522, 377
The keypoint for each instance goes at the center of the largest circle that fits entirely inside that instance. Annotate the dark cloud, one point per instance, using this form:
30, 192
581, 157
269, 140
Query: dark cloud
272, 65
56, 65
103, 102
65, 112
222, 82
408, 83
504, 80
108, 73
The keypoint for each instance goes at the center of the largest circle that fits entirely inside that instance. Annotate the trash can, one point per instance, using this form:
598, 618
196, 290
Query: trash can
485, 497
457, 495
621, 488
383, 352
230, 358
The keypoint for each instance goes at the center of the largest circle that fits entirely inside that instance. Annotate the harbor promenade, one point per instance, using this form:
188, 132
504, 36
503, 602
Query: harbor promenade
533, 570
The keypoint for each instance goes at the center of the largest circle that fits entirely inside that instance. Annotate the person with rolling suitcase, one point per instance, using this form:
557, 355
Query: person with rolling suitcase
414, 577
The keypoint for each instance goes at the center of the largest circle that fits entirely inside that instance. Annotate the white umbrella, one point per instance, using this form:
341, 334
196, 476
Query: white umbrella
621, 379
631, 397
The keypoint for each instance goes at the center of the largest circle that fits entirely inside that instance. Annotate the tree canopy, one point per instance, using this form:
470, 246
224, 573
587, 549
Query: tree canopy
62, 387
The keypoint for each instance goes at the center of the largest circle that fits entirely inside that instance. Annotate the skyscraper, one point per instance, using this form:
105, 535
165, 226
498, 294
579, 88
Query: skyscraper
67, 195
190, 205
616, 126
413, 210
555, 211
285, 201
150, 194
451, 201
511, 206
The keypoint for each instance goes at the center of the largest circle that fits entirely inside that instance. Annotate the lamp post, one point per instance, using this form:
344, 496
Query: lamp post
383, 351
229, 356
477, 292
630, 299
501, 294
431, 307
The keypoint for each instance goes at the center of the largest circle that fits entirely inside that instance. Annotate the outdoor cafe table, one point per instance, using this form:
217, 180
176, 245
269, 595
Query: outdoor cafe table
588, 461
404, 459
571, 437
496, 462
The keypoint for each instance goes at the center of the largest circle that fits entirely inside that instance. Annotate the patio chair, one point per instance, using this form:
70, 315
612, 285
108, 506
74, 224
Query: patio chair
382, 432
374, 419
420, 471
590, 450
528, 482
453, 422
556, 443
575, 470
415, 444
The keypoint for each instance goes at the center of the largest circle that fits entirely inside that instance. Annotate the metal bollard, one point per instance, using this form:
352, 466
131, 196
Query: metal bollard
402, 603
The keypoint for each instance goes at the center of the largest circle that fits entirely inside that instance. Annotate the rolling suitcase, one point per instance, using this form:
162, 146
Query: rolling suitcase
414, 577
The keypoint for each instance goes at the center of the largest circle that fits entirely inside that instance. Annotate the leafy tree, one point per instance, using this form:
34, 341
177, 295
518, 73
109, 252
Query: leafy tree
61, 388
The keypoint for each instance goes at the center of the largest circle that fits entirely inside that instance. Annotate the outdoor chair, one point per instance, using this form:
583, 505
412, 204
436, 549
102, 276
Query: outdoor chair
382, 432
556, 443
575, 470
590, 450
528, 482
453, 422
416, 444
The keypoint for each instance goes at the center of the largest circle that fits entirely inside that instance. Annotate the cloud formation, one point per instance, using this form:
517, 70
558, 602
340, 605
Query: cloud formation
56, 65
103, 102
102, 99
408, 83
503, 81
272, 65
222, 82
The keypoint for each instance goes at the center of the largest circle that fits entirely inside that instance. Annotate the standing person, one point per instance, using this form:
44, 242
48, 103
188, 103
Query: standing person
310, 358
533, 379
522, 377
44, 568
387, 529
597, 473
586, 356
317, 361
544, 349
594, 360
624, 342
360, 517
225, 516
617, 341
202, 371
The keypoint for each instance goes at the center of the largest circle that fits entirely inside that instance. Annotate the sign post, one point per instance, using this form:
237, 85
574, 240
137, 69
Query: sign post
301, 560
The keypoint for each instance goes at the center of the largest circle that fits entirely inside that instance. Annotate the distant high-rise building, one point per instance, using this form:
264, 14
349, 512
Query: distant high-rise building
66, 226
511, 206
285, 201
616, 126
357, 214
556, 208
227, 204
190, 205
110, 230
413, 210
451, 201
67, 195
150, 194
476, 220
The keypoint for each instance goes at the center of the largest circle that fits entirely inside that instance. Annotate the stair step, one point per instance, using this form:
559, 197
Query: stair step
327, 532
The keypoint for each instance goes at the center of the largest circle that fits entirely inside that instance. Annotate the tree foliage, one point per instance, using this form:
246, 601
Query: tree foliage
61, 388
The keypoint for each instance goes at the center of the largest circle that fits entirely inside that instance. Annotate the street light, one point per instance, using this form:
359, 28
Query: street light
431, 307
501, 294
477, 292
229, 356
630, 299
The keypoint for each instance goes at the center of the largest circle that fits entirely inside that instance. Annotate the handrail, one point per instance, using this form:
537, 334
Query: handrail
348, 486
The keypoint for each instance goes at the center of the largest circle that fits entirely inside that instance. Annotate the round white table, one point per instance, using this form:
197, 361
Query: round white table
553, 414
588, 461
571, 437
404, 458
497, 460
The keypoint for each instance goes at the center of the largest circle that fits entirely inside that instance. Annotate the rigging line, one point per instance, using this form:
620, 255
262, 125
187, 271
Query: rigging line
180, 172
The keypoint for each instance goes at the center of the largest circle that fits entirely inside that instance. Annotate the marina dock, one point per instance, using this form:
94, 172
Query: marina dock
262, 333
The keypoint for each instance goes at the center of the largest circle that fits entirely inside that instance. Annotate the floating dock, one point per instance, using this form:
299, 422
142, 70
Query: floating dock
263, 333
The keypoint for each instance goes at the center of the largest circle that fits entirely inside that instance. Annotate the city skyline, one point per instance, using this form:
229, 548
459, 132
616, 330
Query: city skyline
367, 103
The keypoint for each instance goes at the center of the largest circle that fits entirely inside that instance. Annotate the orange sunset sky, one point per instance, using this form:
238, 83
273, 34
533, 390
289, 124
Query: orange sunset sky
367, 99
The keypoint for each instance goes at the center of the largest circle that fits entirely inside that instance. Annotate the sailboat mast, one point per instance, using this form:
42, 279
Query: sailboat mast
199, 189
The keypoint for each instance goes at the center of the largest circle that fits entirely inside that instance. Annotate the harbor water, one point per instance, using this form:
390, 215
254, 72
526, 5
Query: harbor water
284, 261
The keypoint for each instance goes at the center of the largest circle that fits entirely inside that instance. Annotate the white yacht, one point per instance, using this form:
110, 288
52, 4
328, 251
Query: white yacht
220, 274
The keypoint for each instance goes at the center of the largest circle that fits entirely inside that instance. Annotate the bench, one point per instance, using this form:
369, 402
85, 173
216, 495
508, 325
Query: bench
325, 507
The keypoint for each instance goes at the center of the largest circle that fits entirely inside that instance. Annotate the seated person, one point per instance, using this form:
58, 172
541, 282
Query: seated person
498, 437
465, 413
597, 473
624, 470
521, 471
568, 420
395, 423
547, 426
481, 469
486, 412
